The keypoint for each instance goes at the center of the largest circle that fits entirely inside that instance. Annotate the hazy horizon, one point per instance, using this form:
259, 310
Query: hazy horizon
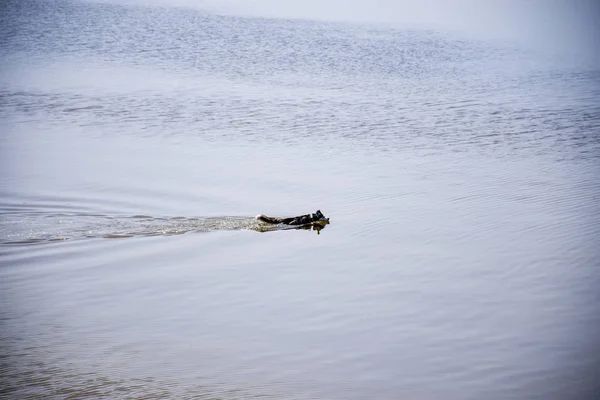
555, 26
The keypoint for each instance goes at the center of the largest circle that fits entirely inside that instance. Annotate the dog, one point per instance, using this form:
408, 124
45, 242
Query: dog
306, 219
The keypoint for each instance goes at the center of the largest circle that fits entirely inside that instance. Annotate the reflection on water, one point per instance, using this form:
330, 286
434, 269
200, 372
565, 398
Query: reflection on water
462, 177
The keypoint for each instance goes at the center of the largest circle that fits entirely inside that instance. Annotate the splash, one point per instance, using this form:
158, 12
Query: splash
39, 227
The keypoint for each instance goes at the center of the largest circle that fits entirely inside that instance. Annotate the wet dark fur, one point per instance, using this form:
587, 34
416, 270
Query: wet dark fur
299, 220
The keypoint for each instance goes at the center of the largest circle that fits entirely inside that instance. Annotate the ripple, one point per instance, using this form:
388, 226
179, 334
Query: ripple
35, 227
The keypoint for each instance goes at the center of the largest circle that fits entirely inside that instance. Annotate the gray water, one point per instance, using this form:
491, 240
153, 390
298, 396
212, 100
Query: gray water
460, 175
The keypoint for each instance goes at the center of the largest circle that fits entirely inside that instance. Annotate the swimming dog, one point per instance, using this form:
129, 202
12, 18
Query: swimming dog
306, 219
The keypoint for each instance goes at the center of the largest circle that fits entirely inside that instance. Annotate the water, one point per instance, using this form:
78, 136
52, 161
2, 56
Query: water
460, 176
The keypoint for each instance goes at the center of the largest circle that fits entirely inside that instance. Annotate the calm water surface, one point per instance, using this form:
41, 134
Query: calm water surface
460, 176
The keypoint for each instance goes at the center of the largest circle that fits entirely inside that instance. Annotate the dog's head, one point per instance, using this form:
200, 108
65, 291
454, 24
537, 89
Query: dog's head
319, 217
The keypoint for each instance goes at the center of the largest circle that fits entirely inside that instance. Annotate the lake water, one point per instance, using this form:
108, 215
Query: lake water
461, 176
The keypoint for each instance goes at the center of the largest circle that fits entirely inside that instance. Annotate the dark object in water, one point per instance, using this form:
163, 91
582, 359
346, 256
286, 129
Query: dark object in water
317, 217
